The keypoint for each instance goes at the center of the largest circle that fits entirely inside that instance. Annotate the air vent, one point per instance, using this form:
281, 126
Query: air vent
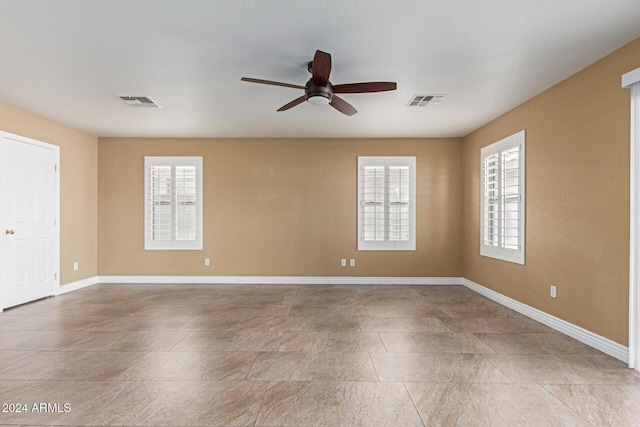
424, 100
139, 101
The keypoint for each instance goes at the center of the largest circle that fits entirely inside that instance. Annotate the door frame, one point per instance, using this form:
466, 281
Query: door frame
632, 80
56, 201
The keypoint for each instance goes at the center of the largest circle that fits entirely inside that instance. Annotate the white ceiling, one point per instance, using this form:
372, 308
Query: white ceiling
68, 59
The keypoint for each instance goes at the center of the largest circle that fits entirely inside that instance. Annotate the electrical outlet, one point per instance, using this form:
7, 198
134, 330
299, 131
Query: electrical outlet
207, 262
75, 266
343, 262
352, 263
553, 292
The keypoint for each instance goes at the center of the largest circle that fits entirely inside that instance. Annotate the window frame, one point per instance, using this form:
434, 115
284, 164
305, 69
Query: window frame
516, 256
387, 162
173, 162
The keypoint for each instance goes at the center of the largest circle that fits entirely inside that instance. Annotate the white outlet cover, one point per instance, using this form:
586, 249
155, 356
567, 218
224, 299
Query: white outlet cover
343, 262
352, 263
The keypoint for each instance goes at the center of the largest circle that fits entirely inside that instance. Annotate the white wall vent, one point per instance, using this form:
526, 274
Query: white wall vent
139, 101
424, 100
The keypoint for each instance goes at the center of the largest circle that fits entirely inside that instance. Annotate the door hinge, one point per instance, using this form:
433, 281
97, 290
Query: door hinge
55, 276
55, 168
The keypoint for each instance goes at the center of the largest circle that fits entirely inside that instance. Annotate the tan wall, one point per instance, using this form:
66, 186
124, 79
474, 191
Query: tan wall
78, 188
279, 207
577, 212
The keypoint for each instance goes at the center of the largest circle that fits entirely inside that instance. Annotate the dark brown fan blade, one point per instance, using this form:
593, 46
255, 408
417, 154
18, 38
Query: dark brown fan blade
321, 68
293, 103
269, 82
343, 106
364, 87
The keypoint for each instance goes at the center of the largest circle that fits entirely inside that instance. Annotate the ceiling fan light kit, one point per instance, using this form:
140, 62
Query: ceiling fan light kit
318, 100
318, 95
319, 90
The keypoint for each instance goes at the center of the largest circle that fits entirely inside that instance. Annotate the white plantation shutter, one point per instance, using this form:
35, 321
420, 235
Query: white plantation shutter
502, 199
491, 178
373, 205
186, 203
510, 185
386, 203
398, 196
173, 203
159, 200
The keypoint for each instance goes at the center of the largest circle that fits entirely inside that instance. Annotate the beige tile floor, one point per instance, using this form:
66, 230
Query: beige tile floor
191, 355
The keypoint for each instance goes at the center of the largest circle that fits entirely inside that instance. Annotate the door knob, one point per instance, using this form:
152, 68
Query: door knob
9, 232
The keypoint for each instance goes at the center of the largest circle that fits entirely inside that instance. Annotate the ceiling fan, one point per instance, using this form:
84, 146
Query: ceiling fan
320, 91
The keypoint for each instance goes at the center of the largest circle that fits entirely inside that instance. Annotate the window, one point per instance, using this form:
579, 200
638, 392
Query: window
386, 203
502, 199
173, 203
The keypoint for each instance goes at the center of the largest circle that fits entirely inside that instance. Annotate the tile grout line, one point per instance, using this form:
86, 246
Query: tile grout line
413, 403
374, 367
483, 355
264, 395
383, 344
564, 404
178, 343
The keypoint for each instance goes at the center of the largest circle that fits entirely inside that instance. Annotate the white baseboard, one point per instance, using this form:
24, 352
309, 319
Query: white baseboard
284, 280
596, 341
73, 286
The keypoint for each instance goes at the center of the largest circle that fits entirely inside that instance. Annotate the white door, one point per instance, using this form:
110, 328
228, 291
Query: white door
28, 208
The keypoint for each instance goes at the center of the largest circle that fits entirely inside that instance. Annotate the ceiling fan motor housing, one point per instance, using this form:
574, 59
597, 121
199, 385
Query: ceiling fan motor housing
314, 91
